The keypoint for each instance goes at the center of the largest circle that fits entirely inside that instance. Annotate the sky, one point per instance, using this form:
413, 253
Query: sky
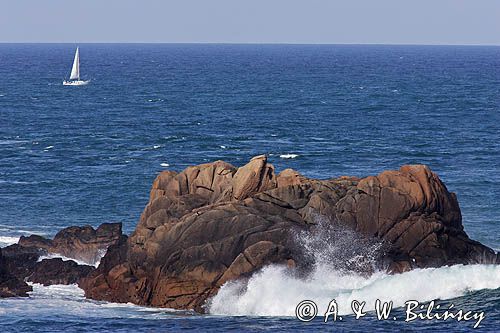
252, 21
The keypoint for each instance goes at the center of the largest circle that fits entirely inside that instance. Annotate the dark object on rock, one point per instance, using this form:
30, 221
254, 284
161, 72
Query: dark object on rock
58, 271
214, 222
81, 243
10, 285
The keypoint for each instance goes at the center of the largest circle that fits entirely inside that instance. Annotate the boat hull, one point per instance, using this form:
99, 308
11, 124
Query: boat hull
75, 83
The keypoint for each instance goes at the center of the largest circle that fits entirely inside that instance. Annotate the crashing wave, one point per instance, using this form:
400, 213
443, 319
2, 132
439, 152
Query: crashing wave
339, 260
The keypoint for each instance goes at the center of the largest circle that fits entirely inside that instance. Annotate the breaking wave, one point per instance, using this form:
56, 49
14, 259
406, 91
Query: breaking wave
337, 256
276, 291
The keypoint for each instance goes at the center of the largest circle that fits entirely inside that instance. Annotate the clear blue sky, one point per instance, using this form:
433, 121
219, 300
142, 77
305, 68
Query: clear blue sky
252, 21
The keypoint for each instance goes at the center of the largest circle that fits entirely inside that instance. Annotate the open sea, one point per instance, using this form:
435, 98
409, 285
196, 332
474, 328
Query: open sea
89, 154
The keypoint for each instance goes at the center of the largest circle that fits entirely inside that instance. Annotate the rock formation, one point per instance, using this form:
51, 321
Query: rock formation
58, 271
20, 262
214, 222
81, 243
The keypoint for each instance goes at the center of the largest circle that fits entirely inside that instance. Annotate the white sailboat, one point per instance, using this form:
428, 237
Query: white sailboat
74, 78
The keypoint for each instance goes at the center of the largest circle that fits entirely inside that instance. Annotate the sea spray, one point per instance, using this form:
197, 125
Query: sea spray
339, 248
274, 291
337, 257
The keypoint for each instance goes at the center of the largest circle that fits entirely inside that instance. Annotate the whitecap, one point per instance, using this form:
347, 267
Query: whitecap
165, 164
288, 156
223, 147
15, 182
12, 142
156, 146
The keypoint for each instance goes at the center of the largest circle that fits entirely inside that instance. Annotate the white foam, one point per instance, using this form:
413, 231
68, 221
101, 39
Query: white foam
8, 240
334, 255
12, 142
57, 255
275, 291
288, 156
15, 182
165, 165
45, 301
223, 147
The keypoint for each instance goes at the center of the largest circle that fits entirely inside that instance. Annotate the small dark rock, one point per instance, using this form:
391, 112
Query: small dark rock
10, 285
58, 271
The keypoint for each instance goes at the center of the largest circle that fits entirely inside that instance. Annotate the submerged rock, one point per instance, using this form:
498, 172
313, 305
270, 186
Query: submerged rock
214, 222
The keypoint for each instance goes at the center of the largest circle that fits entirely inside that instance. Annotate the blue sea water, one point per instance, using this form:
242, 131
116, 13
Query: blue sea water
88, 155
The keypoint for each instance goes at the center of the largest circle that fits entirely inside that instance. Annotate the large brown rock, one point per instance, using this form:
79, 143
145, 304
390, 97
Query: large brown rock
214, 222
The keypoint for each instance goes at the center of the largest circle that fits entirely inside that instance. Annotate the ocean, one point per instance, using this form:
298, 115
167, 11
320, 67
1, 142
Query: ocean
89, 154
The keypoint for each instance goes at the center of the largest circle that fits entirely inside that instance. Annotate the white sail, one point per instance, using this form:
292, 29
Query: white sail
75, 71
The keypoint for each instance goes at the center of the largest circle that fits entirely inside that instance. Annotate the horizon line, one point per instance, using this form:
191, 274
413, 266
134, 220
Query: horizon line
256, 43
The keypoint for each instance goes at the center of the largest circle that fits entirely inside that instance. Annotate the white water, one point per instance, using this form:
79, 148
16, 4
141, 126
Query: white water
288, 156
275, 291
69, 300
79, 262
335, 254
8, 240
